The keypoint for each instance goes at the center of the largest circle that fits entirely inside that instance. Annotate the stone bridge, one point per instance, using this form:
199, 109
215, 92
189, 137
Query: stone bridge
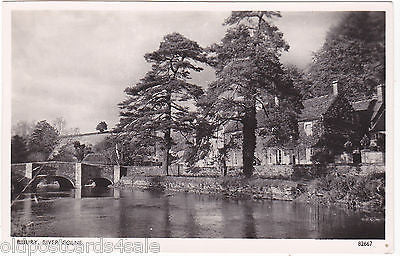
67, 174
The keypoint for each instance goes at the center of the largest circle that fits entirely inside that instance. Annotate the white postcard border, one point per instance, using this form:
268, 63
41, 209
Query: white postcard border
246, 246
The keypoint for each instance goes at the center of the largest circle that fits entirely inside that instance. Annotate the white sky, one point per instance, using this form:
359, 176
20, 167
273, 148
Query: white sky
76, 64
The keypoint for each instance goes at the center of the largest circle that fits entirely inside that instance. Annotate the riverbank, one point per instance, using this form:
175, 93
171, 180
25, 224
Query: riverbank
345, 190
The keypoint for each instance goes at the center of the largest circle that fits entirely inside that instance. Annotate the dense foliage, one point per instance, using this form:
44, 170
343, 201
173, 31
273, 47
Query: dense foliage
353, 54
81, 150
102, 126
341, 132
19, 150
249, 75
42, 141
158, 106
123, 149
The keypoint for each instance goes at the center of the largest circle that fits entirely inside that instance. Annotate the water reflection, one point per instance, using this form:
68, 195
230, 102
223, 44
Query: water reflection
78, 193
105, 212
167, 218
249, 228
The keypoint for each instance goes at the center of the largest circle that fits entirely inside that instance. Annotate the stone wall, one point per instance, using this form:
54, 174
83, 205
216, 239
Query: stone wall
270, 171
225, 186
262, 171
356, 170
174, 170
266, 171
367, 169
133, 171
202, 172
370, 157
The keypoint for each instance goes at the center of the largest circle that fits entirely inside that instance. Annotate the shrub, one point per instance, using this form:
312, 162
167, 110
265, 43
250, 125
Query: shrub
360, 191
308, 171
157, 183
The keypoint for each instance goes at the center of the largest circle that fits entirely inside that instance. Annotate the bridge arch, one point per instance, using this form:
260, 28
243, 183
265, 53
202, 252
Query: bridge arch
64, 182
102, 182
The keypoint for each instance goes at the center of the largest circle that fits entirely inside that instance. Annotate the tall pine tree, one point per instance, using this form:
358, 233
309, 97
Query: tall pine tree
250, 74
158, 105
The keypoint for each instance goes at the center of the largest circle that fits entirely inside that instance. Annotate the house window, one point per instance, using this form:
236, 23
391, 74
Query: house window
292, 156
308, 128
269, 156
278, 156
235, 162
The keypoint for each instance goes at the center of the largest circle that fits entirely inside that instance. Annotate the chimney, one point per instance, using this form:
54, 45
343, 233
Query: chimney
380, 92
335, 87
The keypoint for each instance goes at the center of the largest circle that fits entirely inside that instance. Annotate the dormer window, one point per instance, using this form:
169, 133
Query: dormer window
308, 128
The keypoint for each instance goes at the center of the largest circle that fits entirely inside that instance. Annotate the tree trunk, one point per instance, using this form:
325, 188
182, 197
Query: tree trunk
249, 140
225, 168
167, 147
167, 139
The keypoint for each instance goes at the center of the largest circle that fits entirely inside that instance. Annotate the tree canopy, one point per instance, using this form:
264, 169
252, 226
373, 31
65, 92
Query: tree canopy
42, 141
249, 75
19, 150
81, 150
159, 104
23, 129
124, 149
102, 126
353, 54
341, 131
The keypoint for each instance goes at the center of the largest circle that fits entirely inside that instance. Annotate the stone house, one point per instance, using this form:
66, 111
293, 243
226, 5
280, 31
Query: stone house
369, 114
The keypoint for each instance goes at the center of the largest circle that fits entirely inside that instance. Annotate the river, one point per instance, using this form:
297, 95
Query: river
107, 212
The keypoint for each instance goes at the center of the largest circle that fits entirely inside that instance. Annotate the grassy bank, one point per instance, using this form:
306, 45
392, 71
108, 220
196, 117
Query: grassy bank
357, 192
346, 190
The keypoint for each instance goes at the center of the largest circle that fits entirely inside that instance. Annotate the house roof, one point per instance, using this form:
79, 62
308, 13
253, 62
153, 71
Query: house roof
315, 107
378, 117
378, 107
